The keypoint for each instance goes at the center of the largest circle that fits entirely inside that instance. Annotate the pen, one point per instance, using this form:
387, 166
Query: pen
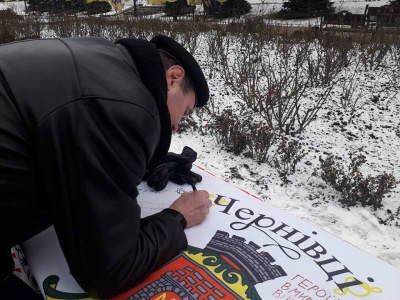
193, 186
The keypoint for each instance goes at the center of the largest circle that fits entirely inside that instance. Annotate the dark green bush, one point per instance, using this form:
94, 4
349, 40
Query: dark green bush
68, 6
246, 136
98, 7
289, 153
295, 9
228, 9
229, 132
176, 8
40, 5
354, 187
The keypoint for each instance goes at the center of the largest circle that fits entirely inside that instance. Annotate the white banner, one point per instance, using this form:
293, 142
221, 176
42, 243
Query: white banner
245, 249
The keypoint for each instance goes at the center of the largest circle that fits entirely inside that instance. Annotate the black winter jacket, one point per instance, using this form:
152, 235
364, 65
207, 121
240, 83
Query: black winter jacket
79, 120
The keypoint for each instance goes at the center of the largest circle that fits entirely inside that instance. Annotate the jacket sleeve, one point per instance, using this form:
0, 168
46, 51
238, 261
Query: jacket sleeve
93, 154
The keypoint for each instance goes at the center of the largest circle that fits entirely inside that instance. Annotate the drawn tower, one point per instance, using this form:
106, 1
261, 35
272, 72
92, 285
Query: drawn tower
227, 268
257, 266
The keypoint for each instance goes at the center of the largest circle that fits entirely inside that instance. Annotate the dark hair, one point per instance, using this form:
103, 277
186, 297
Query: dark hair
168, 62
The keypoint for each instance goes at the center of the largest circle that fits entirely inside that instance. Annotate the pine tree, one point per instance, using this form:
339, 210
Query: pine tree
395, 3
69, 6
305, 8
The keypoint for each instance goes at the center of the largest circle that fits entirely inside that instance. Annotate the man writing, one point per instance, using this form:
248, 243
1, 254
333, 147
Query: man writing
81, 119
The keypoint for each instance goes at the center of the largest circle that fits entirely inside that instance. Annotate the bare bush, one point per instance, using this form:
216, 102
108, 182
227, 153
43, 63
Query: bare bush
350, 95
188, 36
285, 105
395, 51
246, 71
332, 52
219, 45
272, 78
373, 48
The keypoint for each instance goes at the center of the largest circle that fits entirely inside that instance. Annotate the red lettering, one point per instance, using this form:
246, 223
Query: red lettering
297, 276
295, 291
277, 293
303, 283
286, 286
305, 297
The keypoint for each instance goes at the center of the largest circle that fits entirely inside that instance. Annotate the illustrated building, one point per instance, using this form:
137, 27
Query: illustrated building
227, 268
257, 266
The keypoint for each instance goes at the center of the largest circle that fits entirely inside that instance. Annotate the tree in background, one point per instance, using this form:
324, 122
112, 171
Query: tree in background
395, 3
226, 9
237, 7
69, 6
175, 8
294, 9
97, 6
40, 5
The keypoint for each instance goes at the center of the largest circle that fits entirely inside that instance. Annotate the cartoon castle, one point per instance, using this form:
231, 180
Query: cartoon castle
257, 266
226, 268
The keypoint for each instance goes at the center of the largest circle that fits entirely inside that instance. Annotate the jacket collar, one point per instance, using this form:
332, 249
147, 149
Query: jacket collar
152, 73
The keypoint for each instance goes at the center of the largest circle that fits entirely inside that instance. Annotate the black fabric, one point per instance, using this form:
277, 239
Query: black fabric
15, 288
187, 61
74, 144
173, 167
7, 265
19, 184
186, 177
176, 215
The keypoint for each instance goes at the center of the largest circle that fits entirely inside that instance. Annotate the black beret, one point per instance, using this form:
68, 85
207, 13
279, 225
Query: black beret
188, 62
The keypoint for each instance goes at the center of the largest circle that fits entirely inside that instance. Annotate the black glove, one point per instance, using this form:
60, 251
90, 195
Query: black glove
173, 167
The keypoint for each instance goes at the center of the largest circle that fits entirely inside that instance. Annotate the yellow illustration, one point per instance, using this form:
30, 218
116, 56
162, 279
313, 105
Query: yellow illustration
222, 274
51, 292
222, 201
365, 292
165, 296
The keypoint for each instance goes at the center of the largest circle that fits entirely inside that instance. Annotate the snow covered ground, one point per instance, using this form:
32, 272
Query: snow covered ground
307, 196
376, 128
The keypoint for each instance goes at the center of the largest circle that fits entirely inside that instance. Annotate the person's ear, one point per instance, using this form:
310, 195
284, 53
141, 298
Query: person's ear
175, 75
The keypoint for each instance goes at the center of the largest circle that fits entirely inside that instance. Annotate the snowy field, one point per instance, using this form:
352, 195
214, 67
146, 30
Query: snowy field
376, 129
307, 197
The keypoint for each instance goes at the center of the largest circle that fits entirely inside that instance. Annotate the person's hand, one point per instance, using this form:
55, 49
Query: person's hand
194, 206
